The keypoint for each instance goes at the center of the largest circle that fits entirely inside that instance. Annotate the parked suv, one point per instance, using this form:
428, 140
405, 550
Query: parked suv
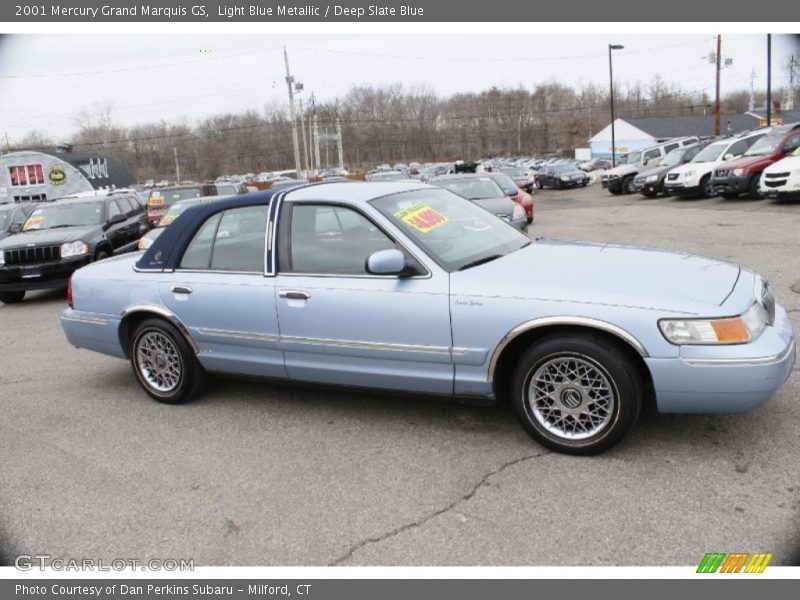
694, 178
650, 183
782, 179
162, 198
742, 175
620, 179
60, 237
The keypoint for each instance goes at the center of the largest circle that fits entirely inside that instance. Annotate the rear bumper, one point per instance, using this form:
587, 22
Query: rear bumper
726, 379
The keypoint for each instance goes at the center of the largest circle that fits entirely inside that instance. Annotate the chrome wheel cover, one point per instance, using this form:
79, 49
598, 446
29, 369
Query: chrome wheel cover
571, 396
158, 362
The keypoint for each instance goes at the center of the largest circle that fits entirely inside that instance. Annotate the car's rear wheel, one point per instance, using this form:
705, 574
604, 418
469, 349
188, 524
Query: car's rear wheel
707, 188
11, 297
164, 363
576, 394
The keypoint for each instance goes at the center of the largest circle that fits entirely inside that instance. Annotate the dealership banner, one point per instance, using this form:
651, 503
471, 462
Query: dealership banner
27, 11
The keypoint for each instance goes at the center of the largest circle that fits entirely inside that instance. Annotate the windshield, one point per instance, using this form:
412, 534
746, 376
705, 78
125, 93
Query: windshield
174, 211
229, 189
795, 153
764, 147
515, 172
65, 215
453, 232
562, 169
711, 153
168, 197
473, 188
505, 182
672, 159
387, 176
633, 158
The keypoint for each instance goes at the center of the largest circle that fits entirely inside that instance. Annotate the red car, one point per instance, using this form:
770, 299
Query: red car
517, 194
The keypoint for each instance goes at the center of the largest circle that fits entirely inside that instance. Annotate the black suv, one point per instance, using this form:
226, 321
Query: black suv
62, 236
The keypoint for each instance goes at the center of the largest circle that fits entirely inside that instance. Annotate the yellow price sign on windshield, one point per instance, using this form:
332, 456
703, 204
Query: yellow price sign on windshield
421, 217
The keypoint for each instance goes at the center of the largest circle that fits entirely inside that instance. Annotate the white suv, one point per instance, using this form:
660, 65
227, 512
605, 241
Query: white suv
781, 180
694, 178
619, 180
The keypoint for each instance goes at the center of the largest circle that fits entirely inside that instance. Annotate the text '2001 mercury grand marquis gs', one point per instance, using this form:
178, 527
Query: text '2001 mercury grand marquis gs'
404, 286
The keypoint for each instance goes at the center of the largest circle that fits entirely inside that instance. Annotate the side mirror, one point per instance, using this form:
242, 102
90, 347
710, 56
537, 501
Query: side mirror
728, 157
15, 228
386, 262
512, 193
115, 220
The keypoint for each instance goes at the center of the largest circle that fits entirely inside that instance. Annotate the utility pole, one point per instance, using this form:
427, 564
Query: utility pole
789, 103
341, 146
303, 128
769, 79
752, 103
177, 165
719, 67
289, 86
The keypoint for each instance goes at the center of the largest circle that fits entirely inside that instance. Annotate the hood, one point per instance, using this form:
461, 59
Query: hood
654, 171
790, 163
744, 162
604, 274
572, 173
51, 237
623, 169
497, 206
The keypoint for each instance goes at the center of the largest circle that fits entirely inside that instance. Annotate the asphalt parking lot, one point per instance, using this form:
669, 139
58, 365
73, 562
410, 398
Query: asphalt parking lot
256, 473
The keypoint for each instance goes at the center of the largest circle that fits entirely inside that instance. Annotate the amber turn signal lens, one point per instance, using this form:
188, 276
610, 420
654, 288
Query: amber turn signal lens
730, 330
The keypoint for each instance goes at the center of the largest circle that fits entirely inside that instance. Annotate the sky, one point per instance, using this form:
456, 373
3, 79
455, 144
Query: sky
47, 80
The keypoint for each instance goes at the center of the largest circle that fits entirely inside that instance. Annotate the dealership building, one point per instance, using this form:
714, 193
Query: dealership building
36, 176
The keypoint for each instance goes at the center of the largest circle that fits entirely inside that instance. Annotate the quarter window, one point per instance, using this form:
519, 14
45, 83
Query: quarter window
331, 239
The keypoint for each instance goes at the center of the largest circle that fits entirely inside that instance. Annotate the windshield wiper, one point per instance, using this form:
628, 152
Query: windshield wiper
480, 261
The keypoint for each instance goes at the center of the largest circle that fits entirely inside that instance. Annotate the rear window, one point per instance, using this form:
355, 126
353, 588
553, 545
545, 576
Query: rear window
169, 197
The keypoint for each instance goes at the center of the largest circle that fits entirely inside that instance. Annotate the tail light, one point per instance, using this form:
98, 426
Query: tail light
69, 291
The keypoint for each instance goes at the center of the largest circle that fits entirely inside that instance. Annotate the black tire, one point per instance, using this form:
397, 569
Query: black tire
155, 346
613, 375
557, 184
539, 185
12, 297
627, 185
100, 255
752, 188
706, 188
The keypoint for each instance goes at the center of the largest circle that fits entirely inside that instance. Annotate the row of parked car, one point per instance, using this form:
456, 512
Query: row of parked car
760, 163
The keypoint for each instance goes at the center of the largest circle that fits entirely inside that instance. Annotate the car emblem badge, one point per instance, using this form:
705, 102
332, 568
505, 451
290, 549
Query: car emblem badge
571, 398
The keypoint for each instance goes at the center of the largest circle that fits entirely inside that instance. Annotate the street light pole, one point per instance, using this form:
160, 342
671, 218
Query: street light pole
611, 84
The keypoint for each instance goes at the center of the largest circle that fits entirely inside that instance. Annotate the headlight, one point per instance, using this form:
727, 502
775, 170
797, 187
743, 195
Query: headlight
144, 243
73, 249
731, 330
564, 178
688, 174
651, 179
738, 172
519, 213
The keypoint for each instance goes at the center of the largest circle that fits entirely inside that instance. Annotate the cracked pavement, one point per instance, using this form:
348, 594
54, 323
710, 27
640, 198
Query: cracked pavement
257, 473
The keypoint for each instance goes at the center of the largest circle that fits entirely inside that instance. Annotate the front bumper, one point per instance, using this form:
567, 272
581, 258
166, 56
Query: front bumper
44, 276
681, 189
725, 379
731, 184
647, 188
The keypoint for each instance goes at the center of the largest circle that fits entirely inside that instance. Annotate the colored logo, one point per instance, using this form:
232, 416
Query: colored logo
734, 562
57, 176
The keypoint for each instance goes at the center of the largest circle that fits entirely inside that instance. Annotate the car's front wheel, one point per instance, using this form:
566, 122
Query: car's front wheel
576, 394
164, 363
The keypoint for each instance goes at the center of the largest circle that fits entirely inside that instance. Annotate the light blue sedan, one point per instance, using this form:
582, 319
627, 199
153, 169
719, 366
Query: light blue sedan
404, 286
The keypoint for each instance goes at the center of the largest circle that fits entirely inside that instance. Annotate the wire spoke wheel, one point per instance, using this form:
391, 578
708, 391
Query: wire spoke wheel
571, 396
159, 362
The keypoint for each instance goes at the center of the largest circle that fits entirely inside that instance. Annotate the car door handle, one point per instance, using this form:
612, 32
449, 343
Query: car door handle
181, 289
294, 294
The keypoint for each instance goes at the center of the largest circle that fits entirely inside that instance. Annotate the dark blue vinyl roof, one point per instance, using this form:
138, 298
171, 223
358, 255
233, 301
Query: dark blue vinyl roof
168, 247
